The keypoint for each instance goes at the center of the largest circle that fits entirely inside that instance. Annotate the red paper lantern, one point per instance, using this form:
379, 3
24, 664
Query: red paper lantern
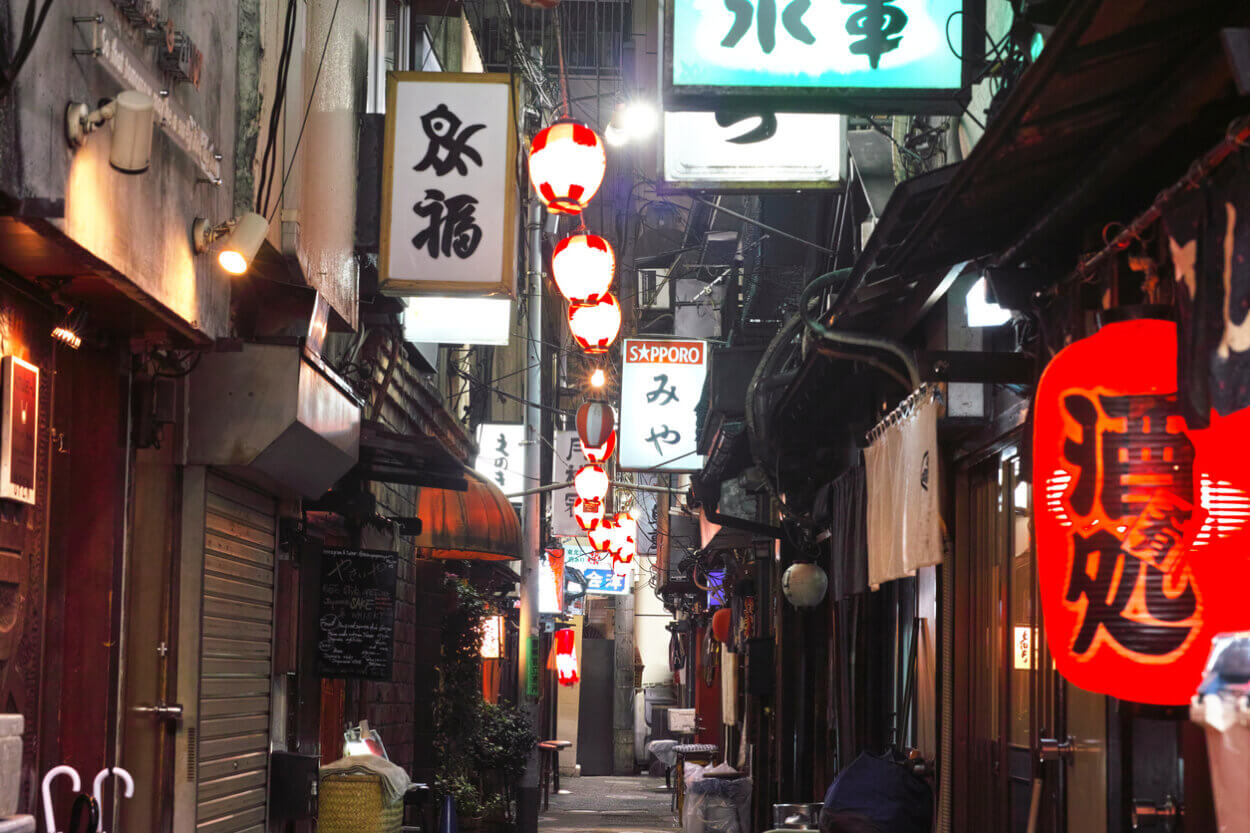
721, 621
622, 543
601, 537
595, 326
566, 164
583, 265
591, 482
1140, 541
596, 421
566, 657
588, 513
602, 453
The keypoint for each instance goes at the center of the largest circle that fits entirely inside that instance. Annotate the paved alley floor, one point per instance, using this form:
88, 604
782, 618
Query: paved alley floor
610, 804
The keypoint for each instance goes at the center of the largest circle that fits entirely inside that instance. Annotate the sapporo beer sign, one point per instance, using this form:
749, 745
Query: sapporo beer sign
661, 383
1140, 548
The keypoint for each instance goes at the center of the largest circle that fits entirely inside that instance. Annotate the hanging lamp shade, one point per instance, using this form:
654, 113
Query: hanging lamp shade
566, 166
588, 514
721, 620
591, 482
602, 453
596, 421
595, 326
475, 524
583, 265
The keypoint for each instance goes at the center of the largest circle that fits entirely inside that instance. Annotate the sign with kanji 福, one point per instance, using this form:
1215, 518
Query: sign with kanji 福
566, 459
501, 456
449, 191
880, 55
1140, 520
661, 383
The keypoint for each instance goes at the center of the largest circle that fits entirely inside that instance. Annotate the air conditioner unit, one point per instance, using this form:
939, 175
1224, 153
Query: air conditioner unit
655, 291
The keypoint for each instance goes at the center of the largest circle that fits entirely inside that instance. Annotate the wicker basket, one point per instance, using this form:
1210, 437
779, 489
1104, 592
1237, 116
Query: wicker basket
355, 804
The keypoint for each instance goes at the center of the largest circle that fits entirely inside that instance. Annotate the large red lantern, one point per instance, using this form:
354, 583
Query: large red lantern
595, 326
566, 657
566, 166
596, 421
1140, 545
588, 514
583, 265
591, 482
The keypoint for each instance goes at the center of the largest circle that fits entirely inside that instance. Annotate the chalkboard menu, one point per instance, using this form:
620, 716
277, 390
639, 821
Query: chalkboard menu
356, 637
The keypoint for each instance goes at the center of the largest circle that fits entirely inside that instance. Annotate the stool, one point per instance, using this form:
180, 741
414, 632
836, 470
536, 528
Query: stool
550, 771
415, 799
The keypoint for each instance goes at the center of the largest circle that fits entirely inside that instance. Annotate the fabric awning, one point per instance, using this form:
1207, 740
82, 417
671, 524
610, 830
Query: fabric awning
476, 524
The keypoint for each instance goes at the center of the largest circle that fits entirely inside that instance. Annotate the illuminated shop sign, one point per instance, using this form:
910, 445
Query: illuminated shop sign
891, 55
1140, 524
661, 383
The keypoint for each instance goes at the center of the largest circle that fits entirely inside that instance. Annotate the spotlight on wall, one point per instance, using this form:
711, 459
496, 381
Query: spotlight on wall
244, 235
132, 114
69, 329
631, 121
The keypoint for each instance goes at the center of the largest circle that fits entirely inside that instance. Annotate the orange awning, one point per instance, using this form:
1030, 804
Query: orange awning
477, 523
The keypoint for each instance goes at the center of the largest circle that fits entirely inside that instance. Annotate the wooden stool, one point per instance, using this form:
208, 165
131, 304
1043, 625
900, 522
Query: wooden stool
550, 770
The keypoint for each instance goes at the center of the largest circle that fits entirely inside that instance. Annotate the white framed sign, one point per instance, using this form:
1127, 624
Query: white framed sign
501, 456
661, 383
566, 459
19, 437
725, 152
449, 189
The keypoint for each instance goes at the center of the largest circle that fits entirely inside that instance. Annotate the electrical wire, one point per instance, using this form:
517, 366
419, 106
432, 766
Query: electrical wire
32, 26
270, 157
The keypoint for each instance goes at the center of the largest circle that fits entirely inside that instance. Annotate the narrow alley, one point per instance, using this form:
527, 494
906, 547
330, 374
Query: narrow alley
610, 804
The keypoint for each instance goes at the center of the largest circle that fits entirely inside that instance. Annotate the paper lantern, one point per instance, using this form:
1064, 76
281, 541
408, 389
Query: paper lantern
566, 164
623, 540
1140, 523
595, 422
595, 326
603, 453
804, 584
588, 513
591, 482
721, 621
583, 265
602, 537
566, 657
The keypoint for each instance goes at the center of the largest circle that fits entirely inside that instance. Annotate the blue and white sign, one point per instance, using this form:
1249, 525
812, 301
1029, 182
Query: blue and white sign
601, 580
870, 49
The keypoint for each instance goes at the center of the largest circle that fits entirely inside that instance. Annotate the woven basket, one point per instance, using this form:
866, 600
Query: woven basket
355, 804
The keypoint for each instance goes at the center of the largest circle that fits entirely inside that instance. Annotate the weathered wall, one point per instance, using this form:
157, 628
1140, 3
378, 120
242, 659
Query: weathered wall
137, 225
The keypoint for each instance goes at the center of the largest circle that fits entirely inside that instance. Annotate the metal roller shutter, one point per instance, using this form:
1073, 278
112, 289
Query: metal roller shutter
235, 658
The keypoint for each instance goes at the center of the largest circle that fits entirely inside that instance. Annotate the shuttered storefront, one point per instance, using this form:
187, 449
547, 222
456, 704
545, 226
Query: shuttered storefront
236, 658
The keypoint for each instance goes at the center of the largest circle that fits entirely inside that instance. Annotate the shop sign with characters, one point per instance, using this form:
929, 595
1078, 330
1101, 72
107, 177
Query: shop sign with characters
1140, 539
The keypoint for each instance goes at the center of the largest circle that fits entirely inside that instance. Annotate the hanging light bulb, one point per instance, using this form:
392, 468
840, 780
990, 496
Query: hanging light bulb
591, 482
588, 514
595, 326
566, 164
583, 265
598, 379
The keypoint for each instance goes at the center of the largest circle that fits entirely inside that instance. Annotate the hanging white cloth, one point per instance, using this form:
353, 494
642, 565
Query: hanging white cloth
901, 461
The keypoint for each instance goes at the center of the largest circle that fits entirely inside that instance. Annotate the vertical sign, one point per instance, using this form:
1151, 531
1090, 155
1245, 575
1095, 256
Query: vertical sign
19, 438
661, 383
356, 628
501, 455
1022, 648
566, 459
448, 191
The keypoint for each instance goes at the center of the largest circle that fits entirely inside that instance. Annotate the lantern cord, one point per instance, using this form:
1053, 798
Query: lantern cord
564, 75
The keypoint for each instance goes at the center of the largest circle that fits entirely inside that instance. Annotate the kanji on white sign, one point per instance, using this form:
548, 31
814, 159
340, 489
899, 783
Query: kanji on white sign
501, 456
661, 383
566, 459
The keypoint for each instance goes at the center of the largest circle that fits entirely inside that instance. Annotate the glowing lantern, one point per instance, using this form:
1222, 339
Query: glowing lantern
623, 543
583, 265
588, 513
721, 621
566, 166
603, 452
1140, 523
566, 657
591, 482
602, 537
595, 422
596, 325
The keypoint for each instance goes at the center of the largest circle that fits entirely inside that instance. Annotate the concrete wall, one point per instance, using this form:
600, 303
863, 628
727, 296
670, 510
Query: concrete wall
135, 225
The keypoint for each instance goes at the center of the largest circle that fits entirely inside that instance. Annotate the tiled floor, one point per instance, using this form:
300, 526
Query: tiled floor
610, 804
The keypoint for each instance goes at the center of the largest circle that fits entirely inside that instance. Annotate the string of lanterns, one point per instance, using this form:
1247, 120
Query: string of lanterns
567, 163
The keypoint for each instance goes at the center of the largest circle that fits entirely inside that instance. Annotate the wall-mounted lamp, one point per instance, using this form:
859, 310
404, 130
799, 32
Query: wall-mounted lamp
69, 329
244, 235
132, 114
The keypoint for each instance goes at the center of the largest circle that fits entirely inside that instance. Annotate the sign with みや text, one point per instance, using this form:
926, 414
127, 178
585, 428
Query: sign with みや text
661, 383
886, 55
448, 190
